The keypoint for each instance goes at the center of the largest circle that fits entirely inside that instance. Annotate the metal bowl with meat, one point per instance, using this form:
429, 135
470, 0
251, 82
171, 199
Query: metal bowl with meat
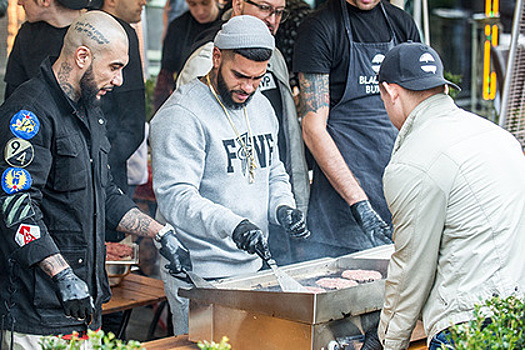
120, 257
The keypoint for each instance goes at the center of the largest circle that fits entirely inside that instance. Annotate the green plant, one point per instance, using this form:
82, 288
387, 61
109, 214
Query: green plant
223, 345
98, 341
149, 86
506, 331
456, 79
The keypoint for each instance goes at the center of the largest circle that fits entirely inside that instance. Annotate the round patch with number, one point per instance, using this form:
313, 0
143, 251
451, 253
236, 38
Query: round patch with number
19, 153
15, 180
25, 124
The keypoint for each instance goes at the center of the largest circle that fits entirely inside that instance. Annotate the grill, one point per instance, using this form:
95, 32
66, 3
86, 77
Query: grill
254, 313
512, 115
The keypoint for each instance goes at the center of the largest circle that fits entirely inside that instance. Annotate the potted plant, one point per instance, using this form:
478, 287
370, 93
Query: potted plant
506, 331
97, 339
223, 345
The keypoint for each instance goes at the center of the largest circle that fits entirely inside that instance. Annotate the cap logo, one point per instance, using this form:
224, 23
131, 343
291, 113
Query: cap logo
376, 62
428, 68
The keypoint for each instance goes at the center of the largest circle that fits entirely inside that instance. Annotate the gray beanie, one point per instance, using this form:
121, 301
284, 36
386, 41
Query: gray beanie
244, 32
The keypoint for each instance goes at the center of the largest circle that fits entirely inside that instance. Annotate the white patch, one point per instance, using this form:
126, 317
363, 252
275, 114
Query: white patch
376, 62
26, 234
429, 69
267, 82
426, 57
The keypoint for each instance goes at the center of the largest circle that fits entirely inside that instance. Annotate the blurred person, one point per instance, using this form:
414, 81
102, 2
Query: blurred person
455, 187
337, 54
172, 9
40, 36
57, 194
216, 170
125, 110
3, 7
178, 42
125, 106
285, 36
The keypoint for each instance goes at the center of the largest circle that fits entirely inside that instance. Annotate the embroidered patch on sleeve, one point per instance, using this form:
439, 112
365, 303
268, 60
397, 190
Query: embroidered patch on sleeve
17, 208
19, 152
25, 124
15, 180
27, 234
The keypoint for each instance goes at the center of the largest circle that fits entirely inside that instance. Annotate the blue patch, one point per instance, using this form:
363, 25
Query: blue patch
15, 180
25, 124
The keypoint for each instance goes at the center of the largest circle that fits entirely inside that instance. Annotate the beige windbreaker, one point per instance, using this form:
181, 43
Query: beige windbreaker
456, 189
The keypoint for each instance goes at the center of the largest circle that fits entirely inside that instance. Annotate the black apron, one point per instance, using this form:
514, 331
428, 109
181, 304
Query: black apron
365, 137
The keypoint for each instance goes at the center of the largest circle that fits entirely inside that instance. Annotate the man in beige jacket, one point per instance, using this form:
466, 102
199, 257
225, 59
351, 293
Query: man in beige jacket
455, 187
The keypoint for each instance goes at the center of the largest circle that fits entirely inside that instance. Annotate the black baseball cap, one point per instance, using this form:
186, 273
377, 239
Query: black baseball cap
414, 66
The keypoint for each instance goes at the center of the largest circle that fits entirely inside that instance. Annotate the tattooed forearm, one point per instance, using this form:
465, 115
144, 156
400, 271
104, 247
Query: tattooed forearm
137, 223
53, 264
315, 92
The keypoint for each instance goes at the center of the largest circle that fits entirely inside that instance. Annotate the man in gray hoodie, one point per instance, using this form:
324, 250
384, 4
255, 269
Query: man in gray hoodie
217, 174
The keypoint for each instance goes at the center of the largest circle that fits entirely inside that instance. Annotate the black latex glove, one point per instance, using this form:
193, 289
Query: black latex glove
250, 238
74, 295
371, 223
293, 222
371, 341
176, 253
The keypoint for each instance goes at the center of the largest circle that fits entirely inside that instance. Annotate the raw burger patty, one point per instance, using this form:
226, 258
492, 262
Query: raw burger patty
335, 283
362, 275
117, 251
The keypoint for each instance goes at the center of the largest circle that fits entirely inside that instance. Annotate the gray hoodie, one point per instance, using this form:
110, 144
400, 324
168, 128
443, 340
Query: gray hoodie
200, 176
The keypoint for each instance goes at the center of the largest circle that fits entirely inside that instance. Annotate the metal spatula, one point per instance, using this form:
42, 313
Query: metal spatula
287, 283
197, 280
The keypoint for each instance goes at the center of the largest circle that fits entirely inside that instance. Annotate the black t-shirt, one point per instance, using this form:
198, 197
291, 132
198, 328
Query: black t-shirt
322, 45
125, 111
33, 43
180, 37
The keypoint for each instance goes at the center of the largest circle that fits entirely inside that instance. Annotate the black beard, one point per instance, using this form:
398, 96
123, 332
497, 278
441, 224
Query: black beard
226, 95
88, 89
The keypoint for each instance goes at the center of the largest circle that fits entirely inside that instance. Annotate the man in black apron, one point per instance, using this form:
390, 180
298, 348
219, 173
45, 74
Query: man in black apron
337, 54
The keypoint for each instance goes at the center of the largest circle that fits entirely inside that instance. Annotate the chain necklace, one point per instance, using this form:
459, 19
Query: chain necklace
248, 150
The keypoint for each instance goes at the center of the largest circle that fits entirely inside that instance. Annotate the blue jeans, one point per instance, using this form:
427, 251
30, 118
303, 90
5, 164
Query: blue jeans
442, 338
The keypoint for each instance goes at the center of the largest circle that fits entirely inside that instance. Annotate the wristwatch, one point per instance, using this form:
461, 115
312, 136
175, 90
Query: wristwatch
163, 231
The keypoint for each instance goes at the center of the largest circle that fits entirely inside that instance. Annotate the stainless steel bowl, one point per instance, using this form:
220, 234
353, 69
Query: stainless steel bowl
119, 269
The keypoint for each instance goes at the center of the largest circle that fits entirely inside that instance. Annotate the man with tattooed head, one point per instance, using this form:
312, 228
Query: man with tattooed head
57, 195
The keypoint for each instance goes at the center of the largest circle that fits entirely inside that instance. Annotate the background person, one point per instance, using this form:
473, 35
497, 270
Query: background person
337, 54
178, 43
57, 194
125, 106
456, 191
40, 36
216, 170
